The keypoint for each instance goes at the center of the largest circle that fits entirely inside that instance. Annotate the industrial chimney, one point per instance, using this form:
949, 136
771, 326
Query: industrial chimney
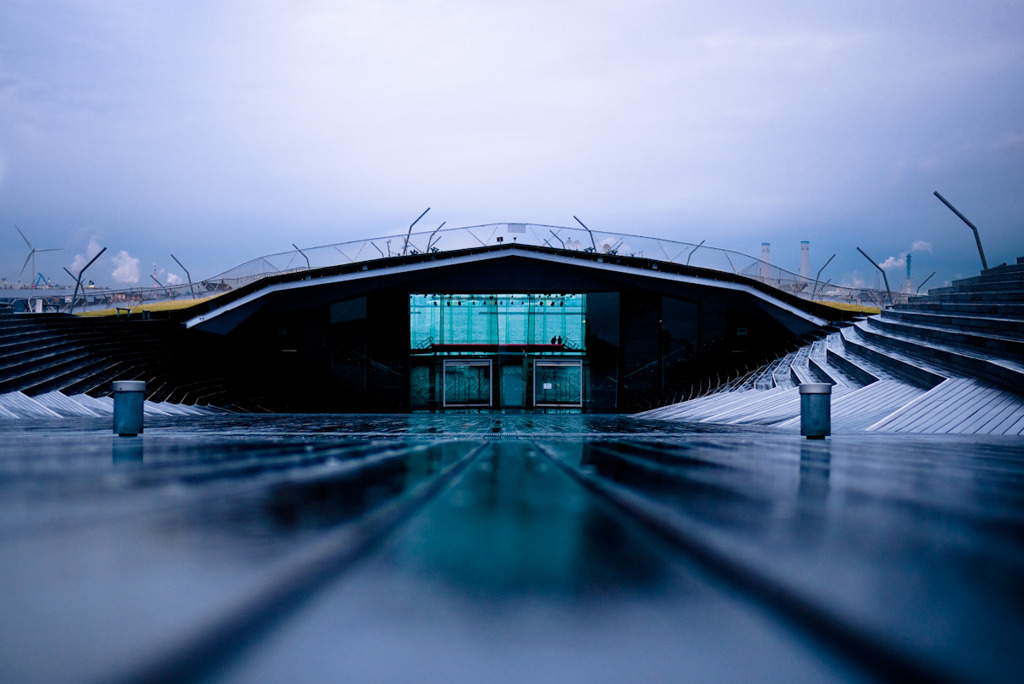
766, 260
805, 259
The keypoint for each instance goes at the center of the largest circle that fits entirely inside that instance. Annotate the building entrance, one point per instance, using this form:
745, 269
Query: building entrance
558, 383
467, 383
497, 351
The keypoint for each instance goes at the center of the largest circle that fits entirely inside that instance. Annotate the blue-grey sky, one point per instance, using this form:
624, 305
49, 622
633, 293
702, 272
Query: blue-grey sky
220, 131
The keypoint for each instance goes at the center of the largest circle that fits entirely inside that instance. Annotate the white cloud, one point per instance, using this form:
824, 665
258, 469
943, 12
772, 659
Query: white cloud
901, 261
127, 268
82, 259
894, 262
165, 277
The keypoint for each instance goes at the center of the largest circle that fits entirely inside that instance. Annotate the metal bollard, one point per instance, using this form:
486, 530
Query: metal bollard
128, 398
816, 410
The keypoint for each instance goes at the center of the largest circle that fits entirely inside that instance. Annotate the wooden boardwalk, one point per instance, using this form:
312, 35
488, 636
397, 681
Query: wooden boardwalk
507, 548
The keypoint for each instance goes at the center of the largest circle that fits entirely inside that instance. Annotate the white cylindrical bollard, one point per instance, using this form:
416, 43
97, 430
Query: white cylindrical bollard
816, 410
128, 398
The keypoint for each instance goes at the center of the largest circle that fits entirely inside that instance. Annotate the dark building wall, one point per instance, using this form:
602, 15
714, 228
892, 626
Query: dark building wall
670, 346
347, 341
648, 340
640, 315
321, 341
603, 334
643, 348
388, 349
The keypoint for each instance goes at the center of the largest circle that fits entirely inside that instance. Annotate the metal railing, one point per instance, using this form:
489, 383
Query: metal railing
450, 239
562, 237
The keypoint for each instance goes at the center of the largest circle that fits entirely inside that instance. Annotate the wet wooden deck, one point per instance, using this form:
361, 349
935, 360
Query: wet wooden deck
506, 548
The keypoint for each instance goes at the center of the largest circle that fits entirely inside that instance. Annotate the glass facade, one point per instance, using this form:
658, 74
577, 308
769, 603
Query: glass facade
450, 323
497, 351
467, 383
557, 383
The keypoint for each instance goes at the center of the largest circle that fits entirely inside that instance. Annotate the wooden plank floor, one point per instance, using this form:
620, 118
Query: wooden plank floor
959, 405
857, 410
541, 548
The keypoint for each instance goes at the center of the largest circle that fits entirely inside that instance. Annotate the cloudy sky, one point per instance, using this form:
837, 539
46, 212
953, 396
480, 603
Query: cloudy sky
220, 131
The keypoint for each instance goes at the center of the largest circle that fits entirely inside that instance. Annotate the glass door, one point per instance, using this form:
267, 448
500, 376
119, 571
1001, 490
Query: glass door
558, 383
467, 383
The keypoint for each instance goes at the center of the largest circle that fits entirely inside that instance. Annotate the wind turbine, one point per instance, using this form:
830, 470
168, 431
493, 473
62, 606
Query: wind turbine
32, 253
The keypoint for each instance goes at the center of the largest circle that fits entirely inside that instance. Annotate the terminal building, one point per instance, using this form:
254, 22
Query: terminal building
525, 321
503, 327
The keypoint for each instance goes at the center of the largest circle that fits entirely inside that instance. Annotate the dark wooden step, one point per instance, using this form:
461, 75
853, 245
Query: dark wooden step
1006, 327
996, 345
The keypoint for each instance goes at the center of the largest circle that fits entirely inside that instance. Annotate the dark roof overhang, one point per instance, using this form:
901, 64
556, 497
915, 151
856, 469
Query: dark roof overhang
492, 269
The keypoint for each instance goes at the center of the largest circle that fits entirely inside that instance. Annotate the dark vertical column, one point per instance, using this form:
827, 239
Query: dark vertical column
680, 333
387, 349
348, 342
602, 343
640, 344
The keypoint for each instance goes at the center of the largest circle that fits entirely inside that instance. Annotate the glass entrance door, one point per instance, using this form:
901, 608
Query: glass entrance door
467, 383
558, 383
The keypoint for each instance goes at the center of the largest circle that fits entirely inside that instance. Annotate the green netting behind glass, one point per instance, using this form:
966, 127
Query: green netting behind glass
497, 319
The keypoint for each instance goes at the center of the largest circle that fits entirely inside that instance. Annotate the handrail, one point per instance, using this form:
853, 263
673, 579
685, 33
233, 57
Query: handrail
440, 239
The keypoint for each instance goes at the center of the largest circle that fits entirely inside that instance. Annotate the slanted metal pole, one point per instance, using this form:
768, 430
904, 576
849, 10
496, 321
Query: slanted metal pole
187, 275
159, 284
73, 278
818, 275
925, 281
78, 281
592, 243
430, 240
692, 251
408, 234
303, 255
977, 237
730, 263
880, 270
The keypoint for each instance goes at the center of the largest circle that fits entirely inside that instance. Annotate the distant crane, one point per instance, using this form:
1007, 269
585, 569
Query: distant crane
32, 253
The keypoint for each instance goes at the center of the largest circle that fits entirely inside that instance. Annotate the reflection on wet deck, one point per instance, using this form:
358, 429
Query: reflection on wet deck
505, 548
